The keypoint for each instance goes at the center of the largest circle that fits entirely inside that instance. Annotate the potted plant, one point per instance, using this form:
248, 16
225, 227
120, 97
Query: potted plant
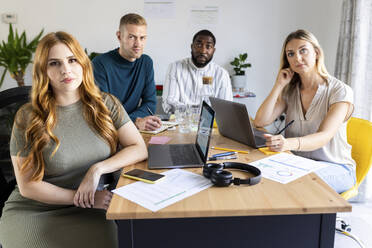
16, 54
239, 63
91, 55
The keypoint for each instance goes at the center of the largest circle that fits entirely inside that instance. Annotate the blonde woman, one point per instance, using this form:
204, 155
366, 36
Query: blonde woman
320, 106
62, 142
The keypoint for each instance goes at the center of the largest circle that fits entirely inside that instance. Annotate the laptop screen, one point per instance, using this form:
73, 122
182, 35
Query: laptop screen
204, 130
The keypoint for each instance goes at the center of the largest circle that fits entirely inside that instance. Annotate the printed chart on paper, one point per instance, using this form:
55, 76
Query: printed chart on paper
285, 167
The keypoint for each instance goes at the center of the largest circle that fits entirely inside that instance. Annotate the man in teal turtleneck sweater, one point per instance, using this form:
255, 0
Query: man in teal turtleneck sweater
128, 74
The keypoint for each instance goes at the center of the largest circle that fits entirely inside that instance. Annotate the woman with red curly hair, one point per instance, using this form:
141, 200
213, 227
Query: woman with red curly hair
62, 142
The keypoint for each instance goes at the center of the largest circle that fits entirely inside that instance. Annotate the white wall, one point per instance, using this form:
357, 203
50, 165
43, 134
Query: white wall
256, 27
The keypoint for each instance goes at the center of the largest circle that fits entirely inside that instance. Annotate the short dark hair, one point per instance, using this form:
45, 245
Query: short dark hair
204, 32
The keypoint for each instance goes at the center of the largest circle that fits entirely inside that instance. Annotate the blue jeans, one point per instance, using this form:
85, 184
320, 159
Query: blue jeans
338, 176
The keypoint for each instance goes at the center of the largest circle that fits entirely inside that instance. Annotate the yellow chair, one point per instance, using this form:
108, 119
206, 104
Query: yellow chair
359, 136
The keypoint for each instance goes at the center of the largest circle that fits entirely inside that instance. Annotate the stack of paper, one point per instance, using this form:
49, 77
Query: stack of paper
177, 185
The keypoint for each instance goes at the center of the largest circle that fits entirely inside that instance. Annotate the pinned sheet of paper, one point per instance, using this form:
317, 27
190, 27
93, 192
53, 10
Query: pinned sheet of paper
159, 9
160, 140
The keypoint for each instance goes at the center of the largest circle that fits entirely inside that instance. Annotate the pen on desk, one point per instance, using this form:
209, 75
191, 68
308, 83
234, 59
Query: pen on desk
224, 154
222, 158
228, 149
284, 128
148, 109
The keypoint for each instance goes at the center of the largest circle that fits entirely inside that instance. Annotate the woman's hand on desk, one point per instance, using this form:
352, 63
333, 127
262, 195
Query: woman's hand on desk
84, 196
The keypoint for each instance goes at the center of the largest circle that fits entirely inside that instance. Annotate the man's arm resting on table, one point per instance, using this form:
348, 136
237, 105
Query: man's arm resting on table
142, 116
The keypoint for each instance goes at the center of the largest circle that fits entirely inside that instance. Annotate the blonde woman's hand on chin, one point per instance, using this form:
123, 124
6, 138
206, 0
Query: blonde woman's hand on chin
284, 77
85, 194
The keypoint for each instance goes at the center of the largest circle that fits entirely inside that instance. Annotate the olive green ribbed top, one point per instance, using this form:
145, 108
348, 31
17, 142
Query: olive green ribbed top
28, 223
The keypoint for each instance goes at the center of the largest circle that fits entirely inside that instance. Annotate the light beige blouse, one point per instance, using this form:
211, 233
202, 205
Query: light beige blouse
337, 150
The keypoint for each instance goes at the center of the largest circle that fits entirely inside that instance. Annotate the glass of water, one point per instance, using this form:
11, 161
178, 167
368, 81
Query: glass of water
182, 118
194, 112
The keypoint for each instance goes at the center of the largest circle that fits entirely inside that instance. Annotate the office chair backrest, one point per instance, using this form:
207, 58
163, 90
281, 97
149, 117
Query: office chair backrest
10, 101
13, 95
359, 136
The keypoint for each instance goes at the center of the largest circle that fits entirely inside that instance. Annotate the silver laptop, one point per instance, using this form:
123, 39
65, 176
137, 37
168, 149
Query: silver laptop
233, 122
185, 155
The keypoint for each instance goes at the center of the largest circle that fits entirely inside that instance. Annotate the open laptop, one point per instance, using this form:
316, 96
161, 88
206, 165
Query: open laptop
185, 155
233, 122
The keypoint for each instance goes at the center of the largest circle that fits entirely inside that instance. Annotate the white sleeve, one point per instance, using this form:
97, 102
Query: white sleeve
225, 91
171, 91
341, 93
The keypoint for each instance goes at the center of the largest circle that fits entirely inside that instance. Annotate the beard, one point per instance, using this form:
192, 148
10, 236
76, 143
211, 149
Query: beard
197, 64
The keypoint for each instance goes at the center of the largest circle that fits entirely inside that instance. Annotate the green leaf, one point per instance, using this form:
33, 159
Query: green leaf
235, 63
92, 55
33, 44
2, 77
244, 57
24, 39
11, 35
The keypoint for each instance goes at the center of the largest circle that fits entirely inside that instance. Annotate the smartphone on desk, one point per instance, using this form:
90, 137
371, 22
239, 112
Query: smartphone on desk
144, 176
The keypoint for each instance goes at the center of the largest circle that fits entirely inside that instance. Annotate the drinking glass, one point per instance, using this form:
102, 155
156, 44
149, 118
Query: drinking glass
182, 118
194, 113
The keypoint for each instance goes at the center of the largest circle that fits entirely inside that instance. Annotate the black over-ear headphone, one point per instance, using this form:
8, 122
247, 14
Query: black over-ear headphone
221, 177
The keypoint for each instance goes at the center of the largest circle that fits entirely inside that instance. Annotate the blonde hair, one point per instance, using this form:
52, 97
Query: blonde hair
132, 18
43, 119
320, 66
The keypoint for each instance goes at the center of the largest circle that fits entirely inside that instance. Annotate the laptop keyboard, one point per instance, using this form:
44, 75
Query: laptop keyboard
183, 155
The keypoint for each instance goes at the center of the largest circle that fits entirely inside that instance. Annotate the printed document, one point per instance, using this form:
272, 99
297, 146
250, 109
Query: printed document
285, 167
175, 186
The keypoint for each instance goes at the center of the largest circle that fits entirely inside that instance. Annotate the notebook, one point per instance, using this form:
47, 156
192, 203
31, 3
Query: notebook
165, 125
233, 122
185, 155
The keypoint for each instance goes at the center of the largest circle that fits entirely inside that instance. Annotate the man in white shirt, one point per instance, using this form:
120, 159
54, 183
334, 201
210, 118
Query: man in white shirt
191, 80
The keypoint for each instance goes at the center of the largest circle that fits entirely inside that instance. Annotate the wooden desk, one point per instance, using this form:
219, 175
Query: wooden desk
298, 214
